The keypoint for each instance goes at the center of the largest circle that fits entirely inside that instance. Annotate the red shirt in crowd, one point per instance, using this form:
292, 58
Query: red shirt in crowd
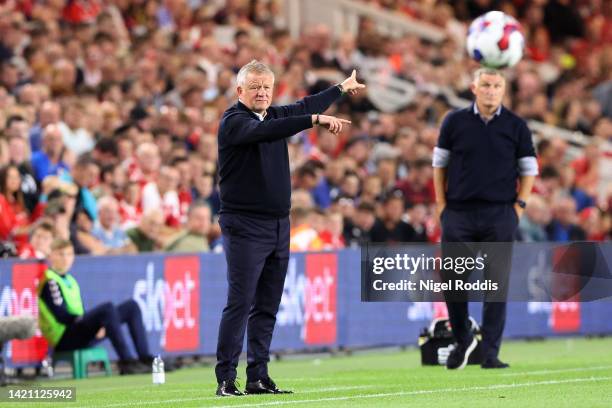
12, 215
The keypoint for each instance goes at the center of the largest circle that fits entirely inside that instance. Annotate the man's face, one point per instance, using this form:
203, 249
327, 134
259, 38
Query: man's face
151, 226
19, 128
52, 141
61, 259
199, 221
394, 209
256, 92
169, 178
108, 215
489, 90
364, 219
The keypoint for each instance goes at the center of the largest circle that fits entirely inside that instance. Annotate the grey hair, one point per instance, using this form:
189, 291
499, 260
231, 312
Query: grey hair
487, 71
254, 67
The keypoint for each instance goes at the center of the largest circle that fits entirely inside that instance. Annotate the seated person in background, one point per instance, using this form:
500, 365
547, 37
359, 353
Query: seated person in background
39, 245
146, 237
563, 227
106, 228
303, 235
129, 207
357, 230
14, 216
66, 326
392, 227
84, 241
536, 217
194, 239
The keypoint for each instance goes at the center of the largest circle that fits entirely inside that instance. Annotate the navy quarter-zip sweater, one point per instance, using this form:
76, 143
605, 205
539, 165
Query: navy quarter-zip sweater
483, 168
254, 176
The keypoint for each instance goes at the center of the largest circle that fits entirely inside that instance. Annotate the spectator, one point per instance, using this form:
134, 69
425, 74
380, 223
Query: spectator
327, 188
146, 165
563, 227
81, 235
303, 236
417, 218
163, 194
146, 237
39, 245
14, 219
194, 239
106, 228
357, 232
86, 174
417, 187
19, 155
76, 138
332, 233
592, 223
391, 228
49, 114
129, 206
52, 159
537, 217
372, 189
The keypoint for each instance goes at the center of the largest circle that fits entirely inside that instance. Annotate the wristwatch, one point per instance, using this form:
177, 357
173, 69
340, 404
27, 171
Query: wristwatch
521, 203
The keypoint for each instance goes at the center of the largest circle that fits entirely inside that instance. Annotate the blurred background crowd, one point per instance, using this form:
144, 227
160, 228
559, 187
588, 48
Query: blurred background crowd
109, 111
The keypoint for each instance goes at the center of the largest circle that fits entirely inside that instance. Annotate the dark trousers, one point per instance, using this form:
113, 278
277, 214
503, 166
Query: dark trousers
83, 332
257, 253
496, 223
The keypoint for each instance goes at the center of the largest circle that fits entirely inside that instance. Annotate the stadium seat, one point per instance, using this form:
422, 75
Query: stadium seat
80, 359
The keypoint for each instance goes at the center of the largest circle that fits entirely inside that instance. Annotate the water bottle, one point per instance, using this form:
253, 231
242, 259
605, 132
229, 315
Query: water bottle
159, 376
47, 365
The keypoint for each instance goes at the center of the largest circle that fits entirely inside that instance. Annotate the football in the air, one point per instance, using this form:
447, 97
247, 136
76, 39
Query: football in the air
495, 40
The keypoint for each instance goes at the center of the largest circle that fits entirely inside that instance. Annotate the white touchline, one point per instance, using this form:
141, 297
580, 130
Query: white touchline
308, 391
560, 370
286, 381
363, 396
404, 393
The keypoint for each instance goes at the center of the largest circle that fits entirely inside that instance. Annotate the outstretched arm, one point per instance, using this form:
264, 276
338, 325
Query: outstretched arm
240, 129
320, 102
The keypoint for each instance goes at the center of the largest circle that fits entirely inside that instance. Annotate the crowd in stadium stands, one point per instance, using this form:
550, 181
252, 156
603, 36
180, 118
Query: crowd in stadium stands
109, 112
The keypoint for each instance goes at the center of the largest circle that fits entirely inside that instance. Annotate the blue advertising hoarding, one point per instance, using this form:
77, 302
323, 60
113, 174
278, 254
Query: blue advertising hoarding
182, 296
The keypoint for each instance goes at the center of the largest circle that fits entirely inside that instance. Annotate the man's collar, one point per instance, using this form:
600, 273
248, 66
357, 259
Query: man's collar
477, 112
259, 115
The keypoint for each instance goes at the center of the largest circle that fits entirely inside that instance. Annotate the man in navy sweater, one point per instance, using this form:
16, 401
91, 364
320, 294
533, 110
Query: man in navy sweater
255, 188
482, 152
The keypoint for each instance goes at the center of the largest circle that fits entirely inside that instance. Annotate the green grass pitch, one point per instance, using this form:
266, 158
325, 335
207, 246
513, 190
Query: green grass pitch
553, 373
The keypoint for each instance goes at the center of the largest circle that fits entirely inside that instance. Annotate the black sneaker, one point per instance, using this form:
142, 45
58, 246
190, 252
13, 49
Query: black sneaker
458, 358
227, 388
494, 363
264, 386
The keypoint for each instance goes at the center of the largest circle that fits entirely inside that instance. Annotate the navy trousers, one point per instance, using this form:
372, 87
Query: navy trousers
257, 253
495, 223
82, 333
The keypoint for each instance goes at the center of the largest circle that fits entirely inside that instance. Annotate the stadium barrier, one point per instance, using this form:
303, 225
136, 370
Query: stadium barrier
182, 296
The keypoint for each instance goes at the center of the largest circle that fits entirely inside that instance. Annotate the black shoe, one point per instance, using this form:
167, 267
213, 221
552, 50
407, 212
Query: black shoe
129, 367
265, 386
458, 358
227, 388
494, 363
